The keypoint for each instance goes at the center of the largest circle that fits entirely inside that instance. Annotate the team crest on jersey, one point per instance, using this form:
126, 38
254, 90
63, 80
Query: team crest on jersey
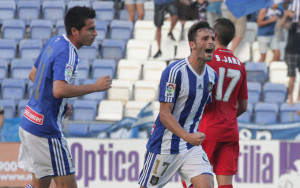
209, 86
154, 180
170, 90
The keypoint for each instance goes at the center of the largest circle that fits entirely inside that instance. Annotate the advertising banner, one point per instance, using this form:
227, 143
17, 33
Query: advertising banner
290, 131
117, 163
10, 174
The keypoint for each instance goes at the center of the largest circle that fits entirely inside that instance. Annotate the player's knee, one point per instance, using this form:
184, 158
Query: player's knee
66, 185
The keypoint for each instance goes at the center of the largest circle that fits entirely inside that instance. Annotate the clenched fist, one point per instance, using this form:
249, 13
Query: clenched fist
195, 138
103, 83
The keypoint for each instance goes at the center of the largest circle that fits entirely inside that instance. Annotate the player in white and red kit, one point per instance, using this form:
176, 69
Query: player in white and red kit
230, 99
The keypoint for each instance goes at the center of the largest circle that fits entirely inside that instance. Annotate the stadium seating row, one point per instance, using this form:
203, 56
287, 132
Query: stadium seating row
112, 111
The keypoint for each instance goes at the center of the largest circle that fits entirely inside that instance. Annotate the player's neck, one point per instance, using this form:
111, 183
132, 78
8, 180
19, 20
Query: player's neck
197, 64
74, 41
220, 46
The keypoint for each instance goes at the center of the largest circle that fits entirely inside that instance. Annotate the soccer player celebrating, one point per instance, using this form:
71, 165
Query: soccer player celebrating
44, 150
174, 144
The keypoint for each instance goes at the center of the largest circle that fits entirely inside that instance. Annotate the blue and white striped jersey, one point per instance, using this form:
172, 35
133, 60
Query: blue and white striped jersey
189, 92
44, 113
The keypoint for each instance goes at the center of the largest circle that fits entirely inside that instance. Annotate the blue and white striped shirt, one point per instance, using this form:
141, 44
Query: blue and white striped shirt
189, 92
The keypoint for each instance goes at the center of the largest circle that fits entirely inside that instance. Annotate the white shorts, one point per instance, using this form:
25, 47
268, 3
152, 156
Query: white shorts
267, 41
44, 156
159, 169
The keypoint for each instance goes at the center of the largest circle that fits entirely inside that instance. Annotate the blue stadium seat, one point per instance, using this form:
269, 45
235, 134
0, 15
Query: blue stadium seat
84, 110
3, 69
274, 93
7, 10
246, 117
21, 107
121, 30
254, 92
83, 71
9, 106
104, 10
40, 29
13, 89
96, 96
8, 49
30, 48
288, 113
266, 113
28, 10
113, 49
78, 129
72, 3
257, 72
101, 28
13, 29
53, 10
123, 14
102, 67
60, 27
89, 52
95, 129
20, 68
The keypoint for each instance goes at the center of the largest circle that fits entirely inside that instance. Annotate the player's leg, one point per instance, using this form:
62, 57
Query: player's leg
67, 181
196, 169
227, 163
203, 181
158, 169
39, 183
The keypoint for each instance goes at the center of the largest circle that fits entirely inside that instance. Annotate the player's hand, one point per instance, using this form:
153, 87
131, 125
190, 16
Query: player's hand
103, 83
68, 111
195, 138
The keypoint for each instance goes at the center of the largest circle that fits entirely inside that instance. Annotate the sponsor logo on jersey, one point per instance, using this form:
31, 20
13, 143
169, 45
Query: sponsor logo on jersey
154, 180
33, 116
170, 90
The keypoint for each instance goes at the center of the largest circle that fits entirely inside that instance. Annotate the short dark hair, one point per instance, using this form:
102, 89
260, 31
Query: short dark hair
76, 17
194, 28
225, 30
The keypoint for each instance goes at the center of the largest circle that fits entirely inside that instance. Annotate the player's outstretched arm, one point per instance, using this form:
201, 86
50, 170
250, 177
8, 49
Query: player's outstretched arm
61, 89
172, 124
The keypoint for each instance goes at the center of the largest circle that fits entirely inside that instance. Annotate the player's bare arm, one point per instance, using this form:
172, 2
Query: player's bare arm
241, 107
61, 89
32, 73
172, 124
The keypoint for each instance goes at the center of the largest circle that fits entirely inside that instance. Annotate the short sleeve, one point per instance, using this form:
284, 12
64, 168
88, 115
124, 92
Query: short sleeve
169, 86
64, 67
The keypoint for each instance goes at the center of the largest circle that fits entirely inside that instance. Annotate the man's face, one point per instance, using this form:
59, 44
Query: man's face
88, 33
205, 44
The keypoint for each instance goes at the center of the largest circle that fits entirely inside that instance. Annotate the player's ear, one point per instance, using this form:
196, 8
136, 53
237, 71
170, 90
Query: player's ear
74, 31
192, 45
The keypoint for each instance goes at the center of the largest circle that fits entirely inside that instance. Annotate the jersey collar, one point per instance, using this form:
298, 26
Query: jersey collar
66, 38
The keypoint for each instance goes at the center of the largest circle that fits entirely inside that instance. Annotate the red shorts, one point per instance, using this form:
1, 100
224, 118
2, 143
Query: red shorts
223, 156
